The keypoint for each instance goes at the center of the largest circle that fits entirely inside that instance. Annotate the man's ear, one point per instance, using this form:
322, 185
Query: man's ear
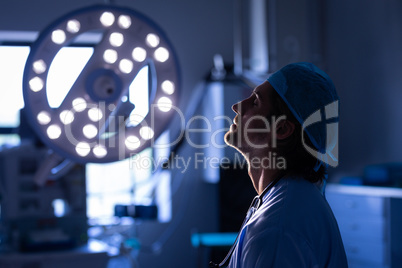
284, 129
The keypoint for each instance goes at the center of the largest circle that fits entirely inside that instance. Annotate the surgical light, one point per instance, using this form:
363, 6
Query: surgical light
36, 84
99, 151
132, 142
39, 66
168, 87
58, 37
43, 118
95, 114
110, 56
82, 149
152, 40
139, 54
73, 26
79, 104
161, 54
164, 104
105, 115
124, 22
66, 117
146, 133
126, 66
107, 19
116, 39
53, 132
90, 131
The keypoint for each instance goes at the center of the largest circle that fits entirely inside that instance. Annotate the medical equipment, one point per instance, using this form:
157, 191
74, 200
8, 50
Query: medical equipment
97, 119
255, 204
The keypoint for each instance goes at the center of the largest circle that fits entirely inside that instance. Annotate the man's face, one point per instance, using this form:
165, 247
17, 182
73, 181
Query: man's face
252, 126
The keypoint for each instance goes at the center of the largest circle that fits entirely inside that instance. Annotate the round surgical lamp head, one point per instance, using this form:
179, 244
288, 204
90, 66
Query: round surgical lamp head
94, 122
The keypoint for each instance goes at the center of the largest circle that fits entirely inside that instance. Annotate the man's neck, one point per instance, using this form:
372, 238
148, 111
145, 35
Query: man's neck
262, 176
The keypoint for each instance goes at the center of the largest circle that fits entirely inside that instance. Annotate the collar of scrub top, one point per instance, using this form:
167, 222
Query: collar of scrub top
255, 204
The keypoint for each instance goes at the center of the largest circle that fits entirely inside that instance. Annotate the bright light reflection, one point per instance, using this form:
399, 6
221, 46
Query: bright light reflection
99, 151
152, 40
90, 131
161, 54
82, 149
39, 66
124, 21
146, 133
58, 36
73, 26
132, 142
36, 84
95, 114
107, 19
139, 54
139, 96
126, 66
116, 39
79, 104
66, 117
64, 70
12, 63
53, 132
43, 118
164, 104
168, 87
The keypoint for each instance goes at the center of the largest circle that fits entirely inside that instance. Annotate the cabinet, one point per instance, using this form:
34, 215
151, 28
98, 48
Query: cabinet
370, 222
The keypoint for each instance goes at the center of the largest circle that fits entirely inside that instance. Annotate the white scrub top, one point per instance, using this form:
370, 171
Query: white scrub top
294, 227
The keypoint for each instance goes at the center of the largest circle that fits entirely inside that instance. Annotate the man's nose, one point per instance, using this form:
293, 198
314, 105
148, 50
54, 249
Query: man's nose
235, 107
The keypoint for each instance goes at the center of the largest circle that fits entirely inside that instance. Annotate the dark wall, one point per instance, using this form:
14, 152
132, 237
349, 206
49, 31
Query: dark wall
364, 40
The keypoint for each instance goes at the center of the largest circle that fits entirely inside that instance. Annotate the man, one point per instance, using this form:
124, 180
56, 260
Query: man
292, 224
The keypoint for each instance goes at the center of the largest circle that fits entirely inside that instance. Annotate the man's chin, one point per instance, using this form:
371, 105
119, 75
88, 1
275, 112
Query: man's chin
230, 139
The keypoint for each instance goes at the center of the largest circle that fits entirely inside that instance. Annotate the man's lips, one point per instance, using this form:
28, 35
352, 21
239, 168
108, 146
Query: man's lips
235, 120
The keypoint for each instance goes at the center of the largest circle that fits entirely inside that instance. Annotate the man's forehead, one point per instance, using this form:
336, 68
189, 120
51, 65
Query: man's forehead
264, 90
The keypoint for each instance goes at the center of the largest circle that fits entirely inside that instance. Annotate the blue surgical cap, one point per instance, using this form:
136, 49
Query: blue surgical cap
311, 96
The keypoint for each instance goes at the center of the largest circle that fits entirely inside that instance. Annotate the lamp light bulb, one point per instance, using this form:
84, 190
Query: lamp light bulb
95, 114
39, 66
116, 39
58, 37
168, 87
107, 19
132, 142
110, 56
43, 118
82, 149
66, 117
146, 133
73, 26
126, 66
161, 54
164, 104
90, 131
152, 40
36, 84
53, 132
79, 104
99, 151
124, 21
139, 54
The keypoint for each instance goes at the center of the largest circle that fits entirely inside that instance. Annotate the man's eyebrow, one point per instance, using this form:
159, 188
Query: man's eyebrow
257, 93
